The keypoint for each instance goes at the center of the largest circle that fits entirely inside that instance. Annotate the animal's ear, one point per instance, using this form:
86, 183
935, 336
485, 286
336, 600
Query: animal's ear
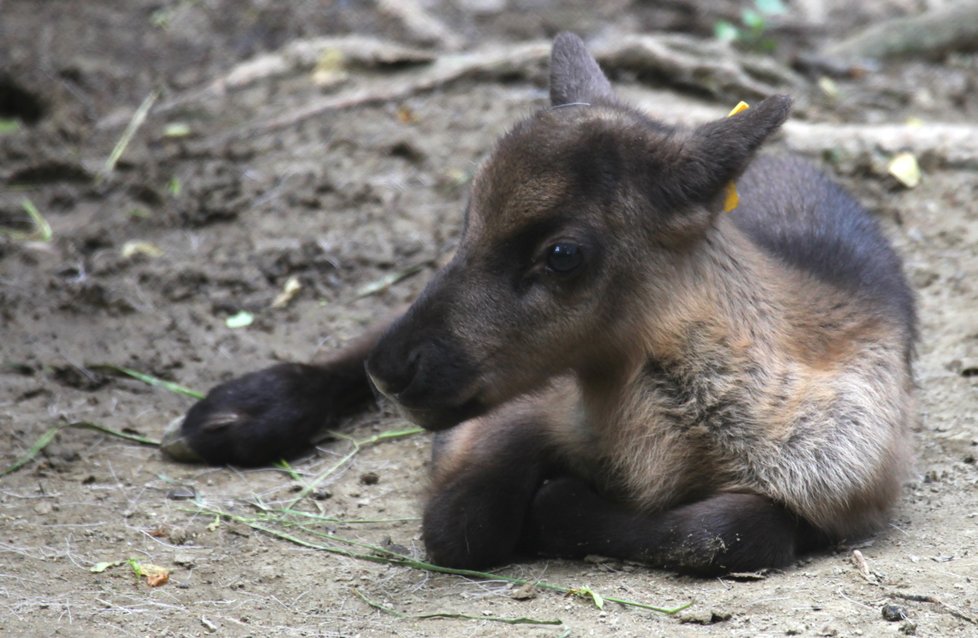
718, 152
574, 74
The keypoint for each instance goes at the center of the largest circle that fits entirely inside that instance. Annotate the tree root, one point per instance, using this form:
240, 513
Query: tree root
702, 66
930, 34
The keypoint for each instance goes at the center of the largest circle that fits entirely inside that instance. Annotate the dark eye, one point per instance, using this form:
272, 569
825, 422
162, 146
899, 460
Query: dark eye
564, 257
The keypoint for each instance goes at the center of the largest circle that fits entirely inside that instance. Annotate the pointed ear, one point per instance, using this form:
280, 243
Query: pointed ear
574, 74
718, 152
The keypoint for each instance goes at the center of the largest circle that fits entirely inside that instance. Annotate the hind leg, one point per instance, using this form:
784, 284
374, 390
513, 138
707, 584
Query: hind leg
485, 474
724, 532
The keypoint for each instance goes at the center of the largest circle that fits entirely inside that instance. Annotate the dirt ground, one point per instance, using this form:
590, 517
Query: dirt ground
210, 210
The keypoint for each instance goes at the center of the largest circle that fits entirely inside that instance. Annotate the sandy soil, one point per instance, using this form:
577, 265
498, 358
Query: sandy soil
340, 201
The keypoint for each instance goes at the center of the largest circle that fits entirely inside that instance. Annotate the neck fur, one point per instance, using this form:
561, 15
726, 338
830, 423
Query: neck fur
719, 306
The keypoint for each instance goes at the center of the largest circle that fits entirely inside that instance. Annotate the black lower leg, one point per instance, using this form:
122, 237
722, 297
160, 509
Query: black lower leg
721, 533
270, 414
475, 515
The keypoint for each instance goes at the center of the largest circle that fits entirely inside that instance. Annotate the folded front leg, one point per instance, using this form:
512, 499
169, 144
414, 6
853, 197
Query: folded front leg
485, 473
723, 532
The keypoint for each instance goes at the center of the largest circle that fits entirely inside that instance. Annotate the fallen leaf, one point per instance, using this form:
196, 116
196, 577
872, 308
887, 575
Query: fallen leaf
154, 574
586, 592
98, 568
241, 320
904, 167
176, 129
157, 579
388, 280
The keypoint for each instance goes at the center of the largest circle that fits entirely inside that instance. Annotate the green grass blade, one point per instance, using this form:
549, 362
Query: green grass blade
119, 434
385, 556
45, 439
41, 443
42, 229
388, 435
453, 615
137, 121
149, 379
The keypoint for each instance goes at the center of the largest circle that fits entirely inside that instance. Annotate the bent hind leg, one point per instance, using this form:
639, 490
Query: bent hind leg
725, 532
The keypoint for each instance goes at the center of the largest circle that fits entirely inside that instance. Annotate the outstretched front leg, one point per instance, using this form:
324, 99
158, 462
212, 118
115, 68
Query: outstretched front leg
275, 413
723, 532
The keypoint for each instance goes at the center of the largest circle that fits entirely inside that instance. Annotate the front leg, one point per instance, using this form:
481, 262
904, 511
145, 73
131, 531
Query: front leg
485, 473
274, 413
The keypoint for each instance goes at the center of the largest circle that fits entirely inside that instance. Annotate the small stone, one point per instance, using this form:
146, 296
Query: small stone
369, 478
526, 591
184, 560
43, 508
893, 613
177, 535
182, 493
389, 544
908, 628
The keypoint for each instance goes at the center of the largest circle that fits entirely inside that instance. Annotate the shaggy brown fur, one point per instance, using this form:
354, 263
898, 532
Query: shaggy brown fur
616, 366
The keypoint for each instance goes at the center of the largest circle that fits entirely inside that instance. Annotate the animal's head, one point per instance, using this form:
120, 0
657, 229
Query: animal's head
572, 229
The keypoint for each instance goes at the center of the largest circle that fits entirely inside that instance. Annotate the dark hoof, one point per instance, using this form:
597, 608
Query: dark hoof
175, 445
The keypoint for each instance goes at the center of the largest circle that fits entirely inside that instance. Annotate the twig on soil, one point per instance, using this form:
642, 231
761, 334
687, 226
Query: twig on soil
388, 280
138, 117
453, 615
45, 439
918, 598
419, 23
951, 145
443, 71
298, 56
704, 65
387, 557
859, 561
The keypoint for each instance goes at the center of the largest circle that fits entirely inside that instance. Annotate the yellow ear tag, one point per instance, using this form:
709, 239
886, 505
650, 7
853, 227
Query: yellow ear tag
730, 196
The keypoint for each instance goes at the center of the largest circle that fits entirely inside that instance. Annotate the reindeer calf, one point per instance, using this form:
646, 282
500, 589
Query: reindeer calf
616, 366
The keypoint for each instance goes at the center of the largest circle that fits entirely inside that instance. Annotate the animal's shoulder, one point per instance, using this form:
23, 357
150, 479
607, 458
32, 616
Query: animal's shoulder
797, 214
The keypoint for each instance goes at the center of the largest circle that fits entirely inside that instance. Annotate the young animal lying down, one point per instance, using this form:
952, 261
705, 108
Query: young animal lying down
616, 365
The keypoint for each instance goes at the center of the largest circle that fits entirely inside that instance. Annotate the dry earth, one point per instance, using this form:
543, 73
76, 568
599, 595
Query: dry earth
340, 201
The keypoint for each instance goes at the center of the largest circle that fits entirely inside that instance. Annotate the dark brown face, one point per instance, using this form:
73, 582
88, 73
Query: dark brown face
533, 290
571, 238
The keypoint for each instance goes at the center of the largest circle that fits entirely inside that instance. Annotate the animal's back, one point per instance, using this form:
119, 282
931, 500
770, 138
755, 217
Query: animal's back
796, 213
